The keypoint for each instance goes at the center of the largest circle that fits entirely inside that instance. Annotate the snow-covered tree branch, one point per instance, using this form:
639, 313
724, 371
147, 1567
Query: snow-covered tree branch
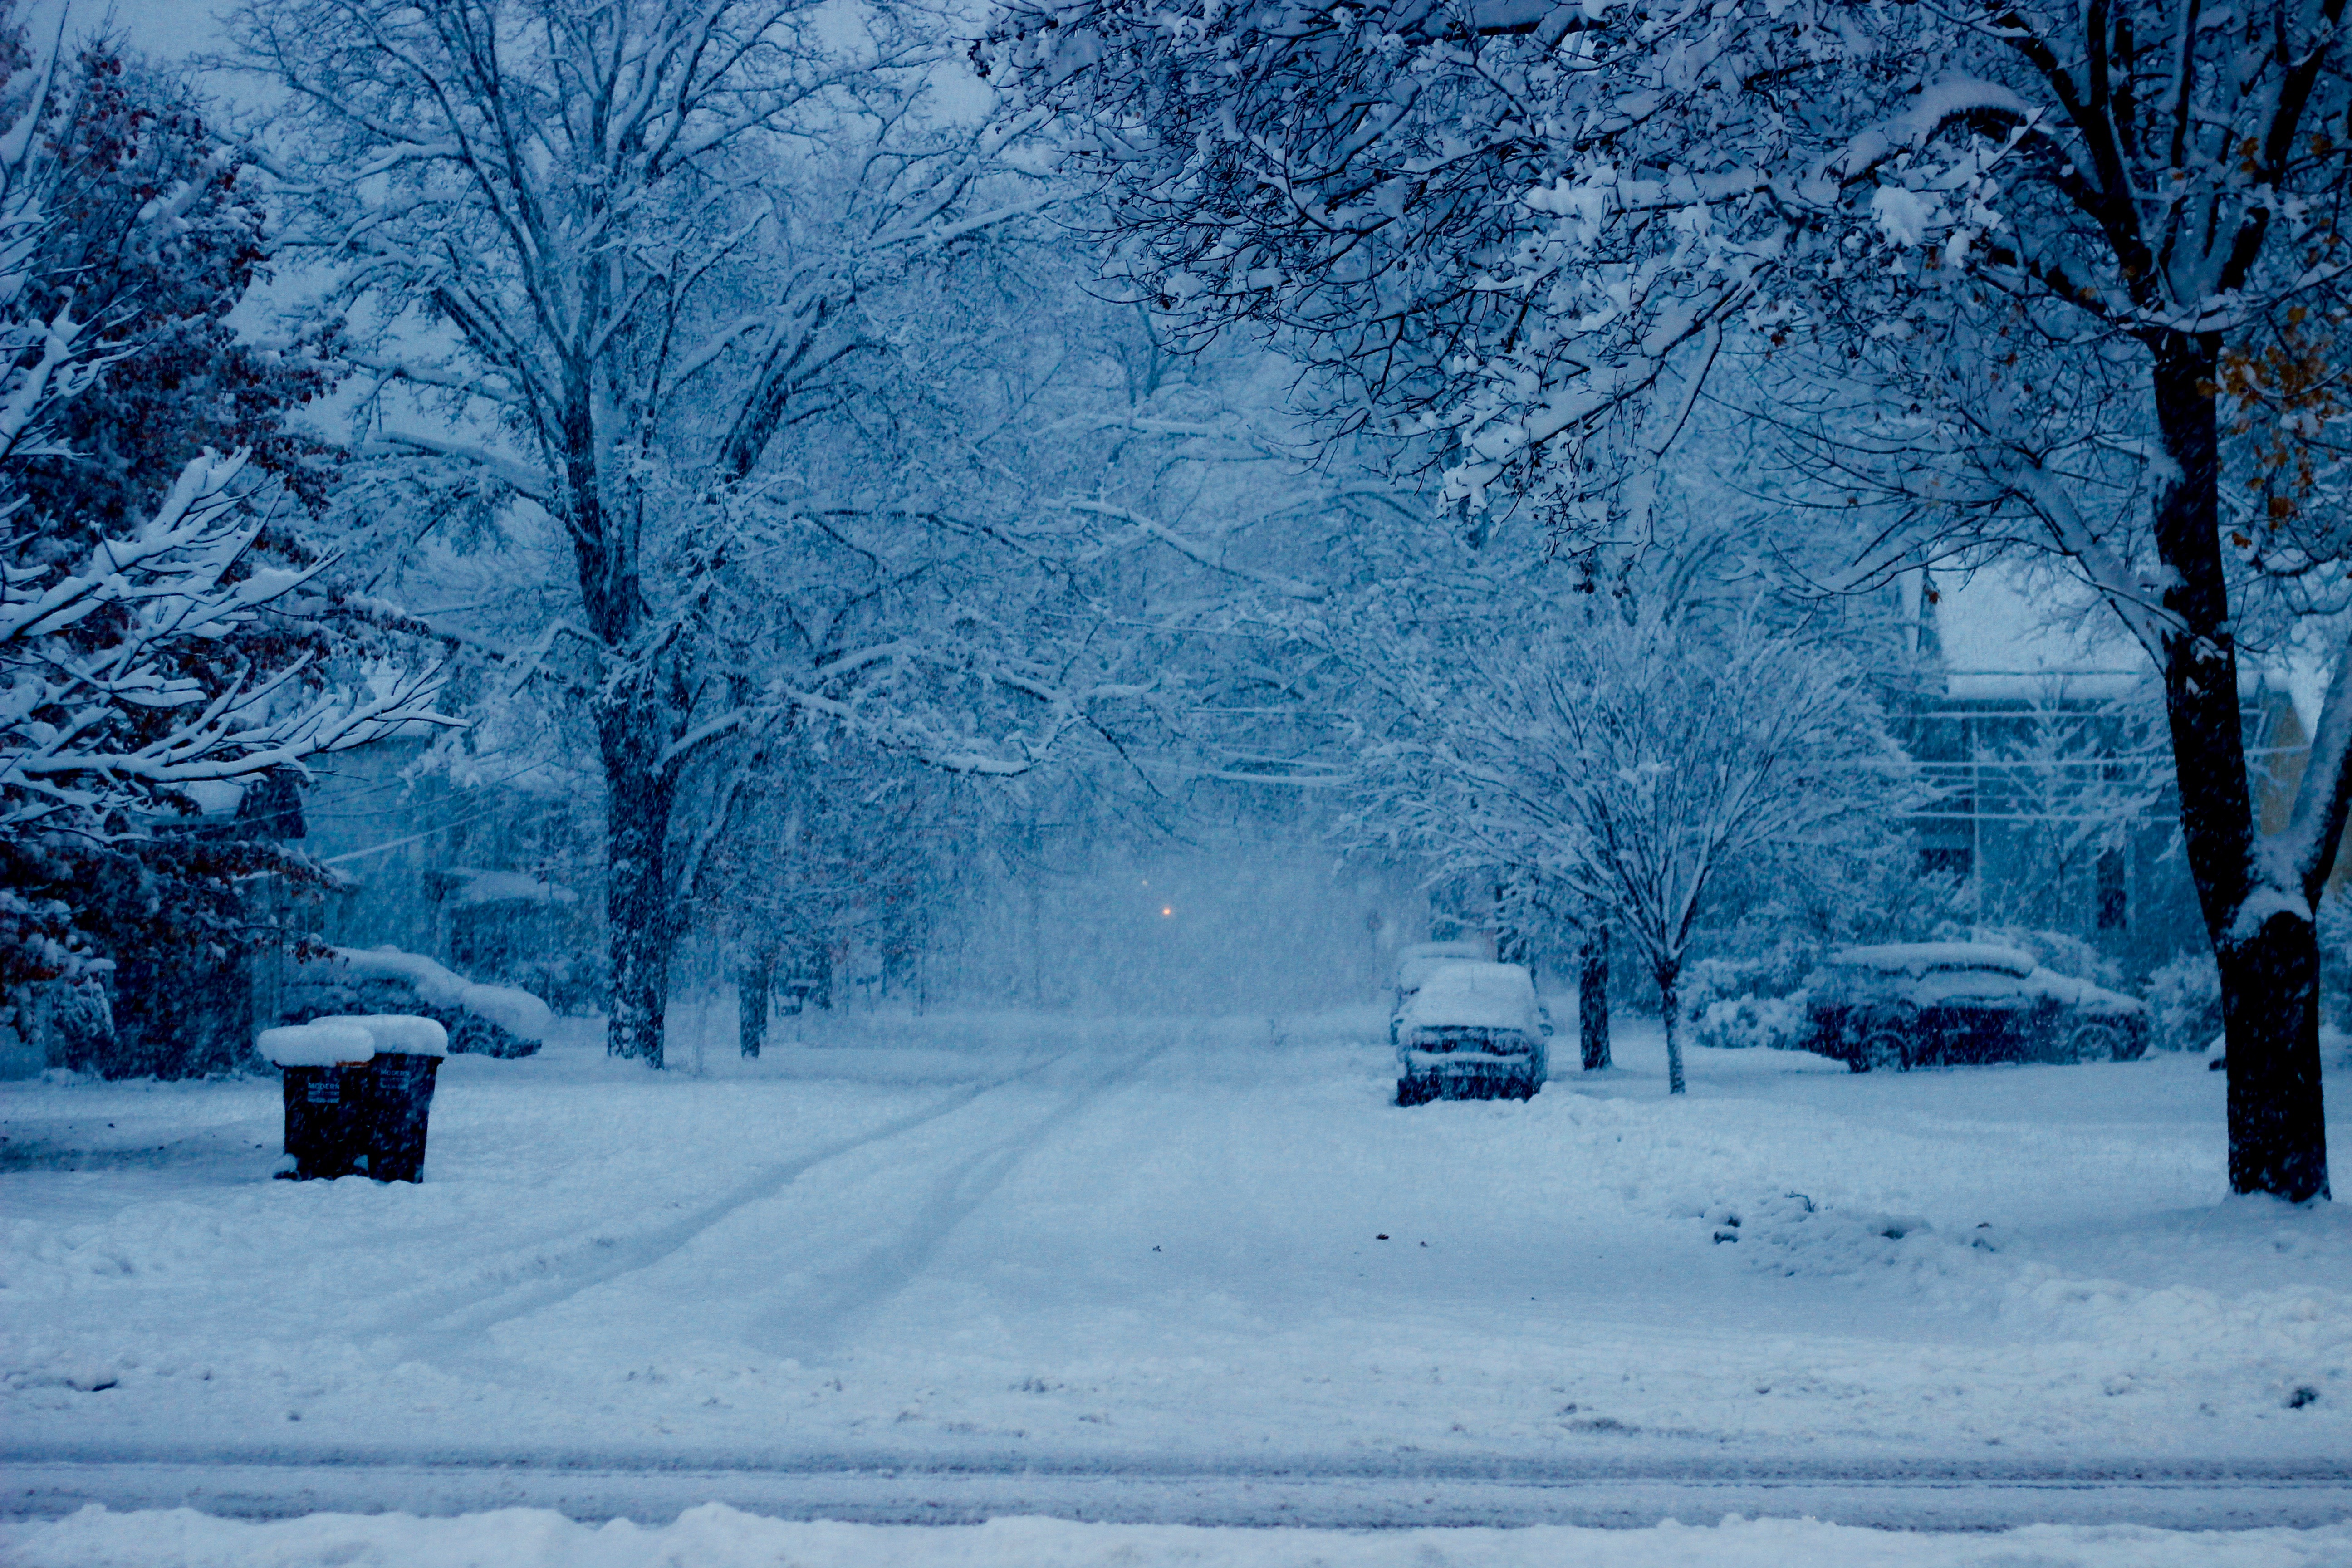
1633, 763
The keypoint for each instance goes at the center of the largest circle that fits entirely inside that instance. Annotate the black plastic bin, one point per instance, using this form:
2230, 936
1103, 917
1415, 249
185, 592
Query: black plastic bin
399, 1106
327, 1117
359, 1093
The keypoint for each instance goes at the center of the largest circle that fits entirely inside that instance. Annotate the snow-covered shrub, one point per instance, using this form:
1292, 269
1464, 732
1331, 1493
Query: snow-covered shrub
1750, 991
1746, 1022
481, 1020
2335, 957
2184, 1002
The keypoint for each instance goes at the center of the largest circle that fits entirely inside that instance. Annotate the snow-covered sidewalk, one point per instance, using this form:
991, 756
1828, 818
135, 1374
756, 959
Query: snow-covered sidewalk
1173, 1244
714, 1536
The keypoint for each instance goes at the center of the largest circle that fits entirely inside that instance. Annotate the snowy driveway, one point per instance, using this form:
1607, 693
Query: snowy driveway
1183, 1250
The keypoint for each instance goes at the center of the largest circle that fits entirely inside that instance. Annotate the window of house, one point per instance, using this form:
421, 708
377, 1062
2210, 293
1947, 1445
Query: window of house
2113, 903
1947, 861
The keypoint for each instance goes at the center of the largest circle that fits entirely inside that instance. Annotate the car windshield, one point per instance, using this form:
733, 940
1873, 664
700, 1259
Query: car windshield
1415, 965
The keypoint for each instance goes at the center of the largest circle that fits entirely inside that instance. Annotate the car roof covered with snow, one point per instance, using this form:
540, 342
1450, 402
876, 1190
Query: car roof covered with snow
1917, 958
1926, 973
1415, 963
1463, 994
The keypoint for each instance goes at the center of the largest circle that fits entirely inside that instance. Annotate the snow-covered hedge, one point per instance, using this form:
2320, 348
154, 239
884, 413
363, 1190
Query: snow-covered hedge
1745, 1022
518, 1011
2184, 1002
1742, 1000
481, 1020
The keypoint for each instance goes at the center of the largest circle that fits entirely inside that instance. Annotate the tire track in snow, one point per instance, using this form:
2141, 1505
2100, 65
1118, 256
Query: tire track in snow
469, 1315
812, 1328
221, 1146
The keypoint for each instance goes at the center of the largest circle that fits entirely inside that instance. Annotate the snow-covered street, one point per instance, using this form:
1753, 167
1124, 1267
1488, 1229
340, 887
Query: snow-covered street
990, 701
1171, 1246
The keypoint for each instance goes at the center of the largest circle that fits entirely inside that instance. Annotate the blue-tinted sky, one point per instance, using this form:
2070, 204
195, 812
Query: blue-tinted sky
161, 28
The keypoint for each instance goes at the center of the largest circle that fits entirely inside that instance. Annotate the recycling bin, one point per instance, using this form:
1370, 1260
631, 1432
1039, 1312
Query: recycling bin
327, 1095
398, 1091
397, 1103
359, 1093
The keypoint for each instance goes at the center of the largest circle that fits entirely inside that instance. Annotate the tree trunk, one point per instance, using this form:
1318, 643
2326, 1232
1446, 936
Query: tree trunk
2270, 971
2270, 1010
751, 983
638, 795
1592, 997
1670, 1015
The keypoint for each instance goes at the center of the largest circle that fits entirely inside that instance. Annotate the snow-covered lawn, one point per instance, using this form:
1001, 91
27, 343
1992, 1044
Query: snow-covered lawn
1176, 1243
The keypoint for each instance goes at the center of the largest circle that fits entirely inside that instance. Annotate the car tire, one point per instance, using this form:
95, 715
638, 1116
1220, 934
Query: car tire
2100, 1043
1882, 1050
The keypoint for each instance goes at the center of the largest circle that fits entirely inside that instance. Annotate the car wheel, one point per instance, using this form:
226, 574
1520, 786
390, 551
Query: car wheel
1882, 1052
2099, 1043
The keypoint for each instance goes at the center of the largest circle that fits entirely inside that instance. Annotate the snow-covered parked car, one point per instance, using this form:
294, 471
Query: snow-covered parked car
481, 1020
1472, 1031
1416, 962
1950, 1003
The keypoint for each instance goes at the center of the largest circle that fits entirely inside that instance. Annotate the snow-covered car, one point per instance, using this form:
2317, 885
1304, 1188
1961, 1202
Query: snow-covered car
1951, 1003
1472, 1031
1416, 962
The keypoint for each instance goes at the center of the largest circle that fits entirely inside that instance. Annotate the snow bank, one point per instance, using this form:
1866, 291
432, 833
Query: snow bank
518, 1011
403, 1034
316, 1043
715, 1536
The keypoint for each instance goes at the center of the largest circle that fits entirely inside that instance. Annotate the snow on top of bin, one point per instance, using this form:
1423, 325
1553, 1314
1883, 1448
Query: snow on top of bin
1920, 957
316, 1044
519, 1012
401, 1033
1464, 995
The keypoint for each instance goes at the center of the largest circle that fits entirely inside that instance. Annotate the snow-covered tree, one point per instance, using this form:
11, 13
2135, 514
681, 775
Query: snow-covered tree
838, 842
157, 237
2069, 235
615, 257
113, 693
1634, 763
142, 654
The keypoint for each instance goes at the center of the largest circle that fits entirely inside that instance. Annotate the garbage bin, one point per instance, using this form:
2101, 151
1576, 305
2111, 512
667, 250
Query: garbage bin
398, 1100
326, 1093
